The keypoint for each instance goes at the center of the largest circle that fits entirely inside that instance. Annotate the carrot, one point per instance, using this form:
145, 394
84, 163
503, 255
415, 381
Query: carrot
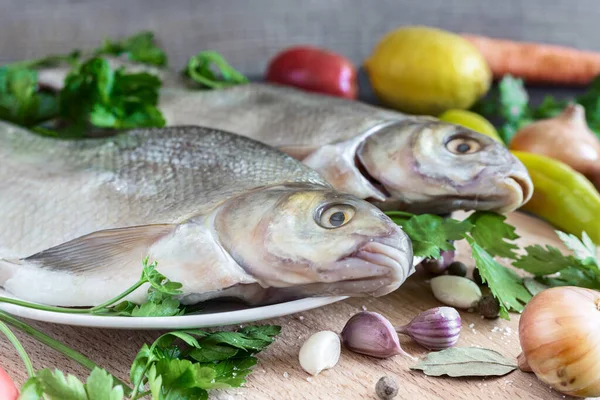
537, 63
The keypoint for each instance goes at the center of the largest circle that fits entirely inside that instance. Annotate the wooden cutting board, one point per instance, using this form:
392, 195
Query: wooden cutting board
279, 376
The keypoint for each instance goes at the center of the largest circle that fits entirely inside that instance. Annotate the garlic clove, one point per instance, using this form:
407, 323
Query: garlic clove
435, 329
319, 352
456, 291
371, 334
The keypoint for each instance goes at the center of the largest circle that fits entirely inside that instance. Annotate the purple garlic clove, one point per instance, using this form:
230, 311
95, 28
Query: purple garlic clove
438, 267
372, 334
435, 329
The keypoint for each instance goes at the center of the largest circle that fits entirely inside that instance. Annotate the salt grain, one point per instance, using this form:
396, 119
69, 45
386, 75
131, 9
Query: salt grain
309, 379
286, 375
301, 318
364, 308
471, 326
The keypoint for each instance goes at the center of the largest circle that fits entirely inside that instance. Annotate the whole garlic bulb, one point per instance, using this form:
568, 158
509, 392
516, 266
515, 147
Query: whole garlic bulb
559, 333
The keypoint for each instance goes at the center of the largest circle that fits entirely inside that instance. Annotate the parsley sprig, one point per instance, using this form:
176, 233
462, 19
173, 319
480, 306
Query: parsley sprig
178, 365
162, 298
510, 103
488, 235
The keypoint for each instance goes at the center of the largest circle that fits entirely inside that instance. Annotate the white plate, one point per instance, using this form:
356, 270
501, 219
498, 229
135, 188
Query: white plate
213, 315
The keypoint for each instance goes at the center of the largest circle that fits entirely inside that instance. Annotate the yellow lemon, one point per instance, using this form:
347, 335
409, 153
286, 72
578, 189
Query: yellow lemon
471, 120
423, 70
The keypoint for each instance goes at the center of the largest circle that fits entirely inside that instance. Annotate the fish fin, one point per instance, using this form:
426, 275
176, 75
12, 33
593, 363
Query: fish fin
102, 249
7, 268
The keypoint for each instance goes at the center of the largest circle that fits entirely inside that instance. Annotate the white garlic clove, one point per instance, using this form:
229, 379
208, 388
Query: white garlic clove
319, 352
456, 291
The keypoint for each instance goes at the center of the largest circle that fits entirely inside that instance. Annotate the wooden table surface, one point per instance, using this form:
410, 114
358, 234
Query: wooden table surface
278, 374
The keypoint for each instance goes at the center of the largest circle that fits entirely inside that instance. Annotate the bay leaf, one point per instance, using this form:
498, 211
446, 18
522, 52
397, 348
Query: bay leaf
533, 286
465, 361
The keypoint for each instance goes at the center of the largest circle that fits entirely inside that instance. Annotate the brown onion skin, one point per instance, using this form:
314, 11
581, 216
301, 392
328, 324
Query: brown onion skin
559, 333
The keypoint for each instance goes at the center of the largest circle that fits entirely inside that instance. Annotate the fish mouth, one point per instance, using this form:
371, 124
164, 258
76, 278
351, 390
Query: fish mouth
377, 268
518, 189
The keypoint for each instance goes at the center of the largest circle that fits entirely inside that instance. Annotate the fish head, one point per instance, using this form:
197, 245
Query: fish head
427, 165
315, 242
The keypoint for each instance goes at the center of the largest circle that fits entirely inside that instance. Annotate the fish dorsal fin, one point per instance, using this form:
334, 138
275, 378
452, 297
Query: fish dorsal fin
102, 249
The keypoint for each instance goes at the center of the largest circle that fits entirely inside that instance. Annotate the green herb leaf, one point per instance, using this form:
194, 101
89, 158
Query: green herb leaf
210, 69
213, 352
31, 390
431, 233
233, 372
95, 94
140, 47
58, 387
504, 284
544, 261
166, 308
533, 286
491, 232
465, 361
573, 276
155, 383
584, 250
20, 101
100, 386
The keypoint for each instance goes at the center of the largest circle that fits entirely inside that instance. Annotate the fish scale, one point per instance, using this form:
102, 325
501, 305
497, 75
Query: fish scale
142, 177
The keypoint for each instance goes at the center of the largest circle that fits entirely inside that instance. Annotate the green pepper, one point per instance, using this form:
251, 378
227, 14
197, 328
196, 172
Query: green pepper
562, 196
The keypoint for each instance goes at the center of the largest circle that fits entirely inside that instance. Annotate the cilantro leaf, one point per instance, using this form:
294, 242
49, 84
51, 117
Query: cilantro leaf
504, 284
58, 387
140, 47
491, 232
166, 308
431, 233
543, 261
99, 386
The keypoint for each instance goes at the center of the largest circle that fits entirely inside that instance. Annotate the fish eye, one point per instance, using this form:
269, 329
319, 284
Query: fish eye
462, 145
335, 216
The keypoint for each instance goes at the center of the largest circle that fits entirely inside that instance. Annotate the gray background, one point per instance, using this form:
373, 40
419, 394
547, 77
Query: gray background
248, 33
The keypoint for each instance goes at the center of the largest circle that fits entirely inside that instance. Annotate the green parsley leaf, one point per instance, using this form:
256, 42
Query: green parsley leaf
58, 387
573, 276
513, 98
166, 308
155, 383
100, 386
544, 261
431, 233
20, 101
233, 372
211, 70
94, 93
158, 281
31, 390
504, 284
491, 232
140, 47
213, 352
584, 250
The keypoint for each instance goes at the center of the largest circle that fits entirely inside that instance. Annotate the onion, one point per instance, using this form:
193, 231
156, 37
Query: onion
559, 333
